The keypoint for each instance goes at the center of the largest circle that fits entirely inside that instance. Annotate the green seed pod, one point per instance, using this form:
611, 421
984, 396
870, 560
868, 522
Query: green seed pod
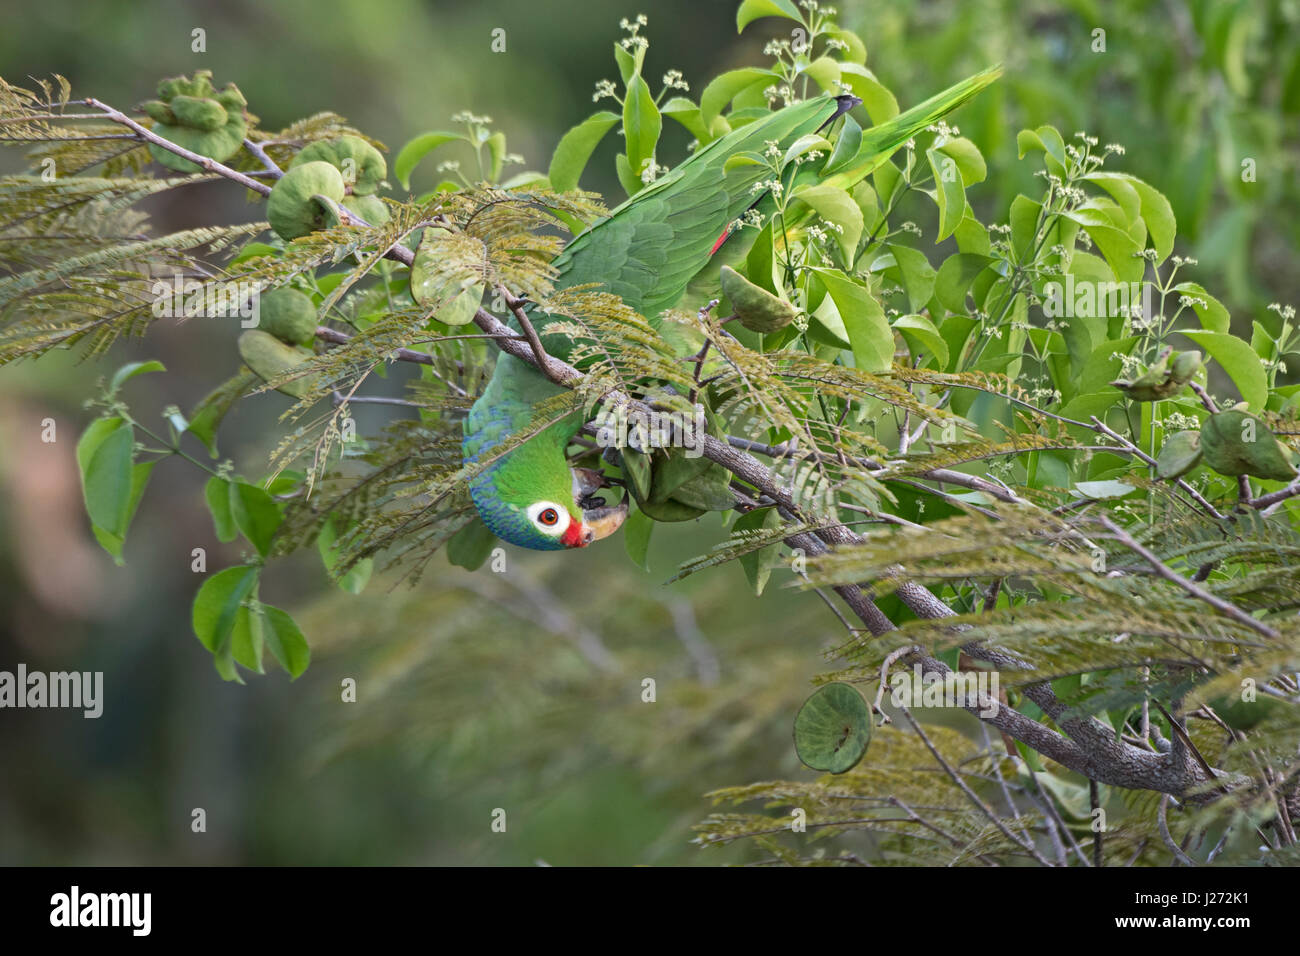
196, 113
363, 167
294, 207
669, 511
269, 358
158, 111
757, 309
1180, 453
191, 114
1184, 366
287, 314
833, 729
1235, 443
369, 208
710, 491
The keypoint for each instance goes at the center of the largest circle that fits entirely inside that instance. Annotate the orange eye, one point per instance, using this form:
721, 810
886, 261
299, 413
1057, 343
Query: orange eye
549, 517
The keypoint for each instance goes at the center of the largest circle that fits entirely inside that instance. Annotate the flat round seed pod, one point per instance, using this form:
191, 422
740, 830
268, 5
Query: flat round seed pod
287, 314
1235, 443
269, 358
832, 729
1180, 453
363, 167
300, 201
757, 309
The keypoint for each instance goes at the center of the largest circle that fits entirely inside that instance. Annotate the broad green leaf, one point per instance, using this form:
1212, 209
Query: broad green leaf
285, 641
217, 604
1102, 489
758, 564
246, 639
637, 530
469, 547
357, 576
114, 543
825, 72
496, 146
723, 88
106, 480
879, 103
687, 113
212, 409
954, 278
131, 370
217, 494
864, 321
923, 337
575, 149
968, 158
1212, 313
414, 151
805, 144
751, 10
835, 206
641, 124
949, 193
255, 514
1239, 361
846, 146
916, 273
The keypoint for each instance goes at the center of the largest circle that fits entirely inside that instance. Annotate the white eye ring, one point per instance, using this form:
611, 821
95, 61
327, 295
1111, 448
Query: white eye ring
549, 518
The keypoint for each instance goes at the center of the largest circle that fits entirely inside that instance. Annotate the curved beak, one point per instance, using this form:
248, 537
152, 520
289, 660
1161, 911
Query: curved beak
602, 522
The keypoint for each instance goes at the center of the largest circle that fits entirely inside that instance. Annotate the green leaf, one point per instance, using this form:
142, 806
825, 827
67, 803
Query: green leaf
1102, 489
724, 87
469, 547
218, 602
1239, 361
575, 149
217, 494
949, 193
880, 104
131, 370
106, 478
414, 151
685, 112
285, 640
917, 330
846, 147
751, 10
916, 273
955, 276
968, 158
1212, 313
357, 576
758, 564
836, 206
637, 530
207, 415
246, 639
255, 514
641, 124
496, 146
832, 729
864, 321
114, 543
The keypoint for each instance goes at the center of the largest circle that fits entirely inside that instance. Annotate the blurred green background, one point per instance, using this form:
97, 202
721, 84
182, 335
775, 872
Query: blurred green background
520, 691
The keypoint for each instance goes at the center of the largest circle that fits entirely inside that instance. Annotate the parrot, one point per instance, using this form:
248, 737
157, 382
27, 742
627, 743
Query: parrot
647, 251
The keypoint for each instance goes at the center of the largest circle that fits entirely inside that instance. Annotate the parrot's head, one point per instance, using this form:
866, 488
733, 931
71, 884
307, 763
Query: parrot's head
543, 504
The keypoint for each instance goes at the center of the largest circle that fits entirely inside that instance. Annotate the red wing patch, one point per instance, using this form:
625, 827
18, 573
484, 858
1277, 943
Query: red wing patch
721, 239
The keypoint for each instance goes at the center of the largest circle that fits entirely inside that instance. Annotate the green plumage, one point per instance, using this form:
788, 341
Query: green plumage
647, 251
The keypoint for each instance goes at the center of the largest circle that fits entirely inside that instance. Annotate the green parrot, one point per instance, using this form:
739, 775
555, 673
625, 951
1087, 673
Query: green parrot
646, 251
